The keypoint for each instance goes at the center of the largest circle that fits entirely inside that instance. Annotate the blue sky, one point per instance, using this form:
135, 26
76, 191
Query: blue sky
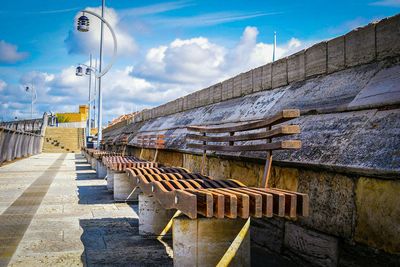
166, 49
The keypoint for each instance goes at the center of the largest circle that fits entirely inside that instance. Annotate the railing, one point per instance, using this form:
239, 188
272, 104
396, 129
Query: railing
20, 139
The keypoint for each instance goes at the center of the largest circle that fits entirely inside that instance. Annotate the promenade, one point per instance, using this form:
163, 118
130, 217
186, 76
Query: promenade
55, 211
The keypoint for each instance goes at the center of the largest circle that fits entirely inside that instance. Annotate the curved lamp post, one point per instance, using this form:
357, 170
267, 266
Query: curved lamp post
88, 72
83, 26
33, 96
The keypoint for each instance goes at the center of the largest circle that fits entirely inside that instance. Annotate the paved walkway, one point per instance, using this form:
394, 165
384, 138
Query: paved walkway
55, 212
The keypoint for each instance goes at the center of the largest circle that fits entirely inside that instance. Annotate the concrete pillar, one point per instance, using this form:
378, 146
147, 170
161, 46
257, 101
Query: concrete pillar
11, 144
124, 190
204, 241
30, 146
152, 216
110, 180
25, 148
93, 163
101, 170
18, 145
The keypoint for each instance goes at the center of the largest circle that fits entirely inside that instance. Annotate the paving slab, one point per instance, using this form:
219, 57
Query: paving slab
54, 211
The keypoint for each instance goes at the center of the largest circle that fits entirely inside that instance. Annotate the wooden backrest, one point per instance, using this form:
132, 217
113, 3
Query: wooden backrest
226, 138
150, 141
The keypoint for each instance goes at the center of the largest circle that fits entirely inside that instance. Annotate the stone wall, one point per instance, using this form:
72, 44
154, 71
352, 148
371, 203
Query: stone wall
348, 91
376, 41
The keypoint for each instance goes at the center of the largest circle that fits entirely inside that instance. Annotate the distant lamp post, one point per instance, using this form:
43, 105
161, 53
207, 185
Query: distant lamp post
83, 26
88, 71
32, 90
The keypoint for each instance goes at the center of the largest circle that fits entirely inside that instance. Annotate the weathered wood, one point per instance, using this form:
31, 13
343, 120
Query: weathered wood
280, 117
277, 132
285, 144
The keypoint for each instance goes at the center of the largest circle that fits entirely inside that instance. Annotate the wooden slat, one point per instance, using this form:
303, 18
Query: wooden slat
302, 206
280, 117
243, 202
278, 200
277, 132
286, 144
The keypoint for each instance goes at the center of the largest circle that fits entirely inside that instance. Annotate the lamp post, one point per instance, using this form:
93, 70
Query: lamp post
32, 90
88, 71
83, 26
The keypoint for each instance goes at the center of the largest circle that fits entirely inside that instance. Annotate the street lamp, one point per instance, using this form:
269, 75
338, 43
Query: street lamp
32, 90
83, 26
79, 71
88, 71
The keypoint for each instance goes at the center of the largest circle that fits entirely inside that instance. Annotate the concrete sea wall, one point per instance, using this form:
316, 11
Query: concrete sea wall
348, 91
20, 139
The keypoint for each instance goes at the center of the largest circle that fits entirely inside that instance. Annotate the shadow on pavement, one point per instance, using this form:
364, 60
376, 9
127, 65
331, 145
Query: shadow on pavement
116, 242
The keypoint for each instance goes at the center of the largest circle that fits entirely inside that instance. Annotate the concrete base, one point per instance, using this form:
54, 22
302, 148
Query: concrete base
204, 241
124, 190
110, 180
152, 216
93, 163
101, 170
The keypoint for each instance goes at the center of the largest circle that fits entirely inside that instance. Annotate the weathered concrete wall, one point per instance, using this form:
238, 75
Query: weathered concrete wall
348, 91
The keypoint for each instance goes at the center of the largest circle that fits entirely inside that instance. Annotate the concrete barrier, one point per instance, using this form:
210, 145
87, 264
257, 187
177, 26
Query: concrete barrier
21, 138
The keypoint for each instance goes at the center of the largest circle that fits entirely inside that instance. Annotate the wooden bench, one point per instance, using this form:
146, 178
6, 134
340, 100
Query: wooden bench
195, 194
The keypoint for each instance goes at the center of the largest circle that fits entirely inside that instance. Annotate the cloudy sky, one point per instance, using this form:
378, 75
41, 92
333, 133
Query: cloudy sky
166, 49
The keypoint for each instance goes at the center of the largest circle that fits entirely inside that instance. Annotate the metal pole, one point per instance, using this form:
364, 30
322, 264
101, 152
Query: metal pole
32, 101
90, 100
95, 95
100, 105
274, 49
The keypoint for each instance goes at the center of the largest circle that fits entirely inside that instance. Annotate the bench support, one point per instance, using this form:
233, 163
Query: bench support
93, 163
124, 190
205, 241
110, 180
153, 218
101, 169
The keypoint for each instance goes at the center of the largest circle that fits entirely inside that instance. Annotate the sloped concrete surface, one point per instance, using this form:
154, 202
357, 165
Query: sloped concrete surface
55, 212
350, 119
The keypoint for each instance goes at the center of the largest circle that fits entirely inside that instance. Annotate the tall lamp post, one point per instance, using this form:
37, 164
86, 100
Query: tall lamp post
88, 72
32, 90
83, 26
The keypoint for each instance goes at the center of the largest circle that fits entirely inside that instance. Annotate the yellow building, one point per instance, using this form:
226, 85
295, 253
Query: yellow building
80, 116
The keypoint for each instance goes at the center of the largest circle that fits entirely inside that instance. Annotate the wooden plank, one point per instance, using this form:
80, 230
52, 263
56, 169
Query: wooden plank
285, 144
302, 202
267, 200
204, 202
280, 117
230, 203
243, 202
277, 132
186, 203
278, 206
255, 205
218, 203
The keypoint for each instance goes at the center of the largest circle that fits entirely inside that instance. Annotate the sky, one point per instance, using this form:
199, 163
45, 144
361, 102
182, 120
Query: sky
166, 49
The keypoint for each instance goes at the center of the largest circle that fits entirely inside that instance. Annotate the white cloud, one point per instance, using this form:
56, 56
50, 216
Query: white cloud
209, 19
198, 62
167, 72
88, 42
386, 3
155, 9
3, 85
9, 53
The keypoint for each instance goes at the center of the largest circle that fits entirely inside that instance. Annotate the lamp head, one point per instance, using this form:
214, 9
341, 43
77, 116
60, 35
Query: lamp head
79, 71
83, 24
87, 72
